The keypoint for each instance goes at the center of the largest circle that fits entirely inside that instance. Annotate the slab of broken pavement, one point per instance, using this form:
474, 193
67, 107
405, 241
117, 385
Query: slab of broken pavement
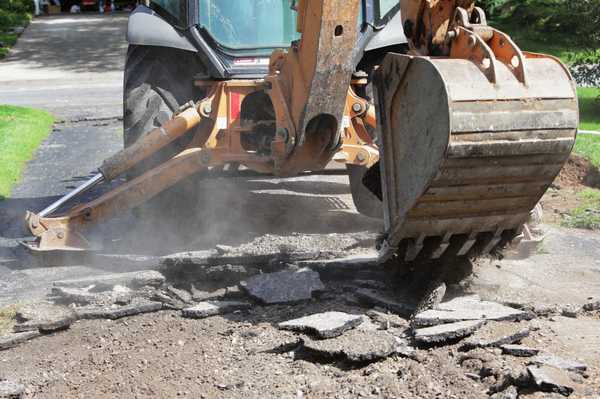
337, 307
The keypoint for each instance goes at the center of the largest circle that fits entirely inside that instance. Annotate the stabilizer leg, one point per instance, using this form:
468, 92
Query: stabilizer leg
66, 233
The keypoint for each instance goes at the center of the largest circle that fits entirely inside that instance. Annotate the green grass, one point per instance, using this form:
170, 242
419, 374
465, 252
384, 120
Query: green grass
7, 319
589, 106
589, 148
586, 216
22, 130
9, 40
553, 44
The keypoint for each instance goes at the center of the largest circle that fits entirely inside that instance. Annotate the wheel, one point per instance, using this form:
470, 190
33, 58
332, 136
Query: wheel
365, 201
154, 88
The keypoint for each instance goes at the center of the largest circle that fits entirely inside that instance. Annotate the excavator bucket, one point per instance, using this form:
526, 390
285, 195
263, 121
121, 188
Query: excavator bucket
468, 148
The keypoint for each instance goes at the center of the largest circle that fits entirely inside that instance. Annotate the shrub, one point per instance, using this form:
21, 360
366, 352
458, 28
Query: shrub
14, 13
17, 6
577, 20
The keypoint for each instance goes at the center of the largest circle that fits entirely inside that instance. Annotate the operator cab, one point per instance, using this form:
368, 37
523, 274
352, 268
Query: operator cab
237, 37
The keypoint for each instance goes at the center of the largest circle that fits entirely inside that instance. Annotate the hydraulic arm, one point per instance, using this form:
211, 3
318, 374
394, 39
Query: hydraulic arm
471, 131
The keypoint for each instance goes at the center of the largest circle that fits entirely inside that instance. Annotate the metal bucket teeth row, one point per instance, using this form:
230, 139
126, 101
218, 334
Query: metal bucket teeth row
465, 160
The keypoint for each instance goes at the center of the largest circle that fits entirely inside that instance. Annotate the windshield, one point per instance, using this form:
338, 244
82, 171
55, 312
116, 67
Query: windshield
249, 24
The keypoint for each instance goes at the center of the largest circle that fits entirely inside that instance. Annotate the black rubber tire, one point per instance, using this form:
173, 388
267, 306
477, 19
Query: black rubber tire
365, 201
157, 82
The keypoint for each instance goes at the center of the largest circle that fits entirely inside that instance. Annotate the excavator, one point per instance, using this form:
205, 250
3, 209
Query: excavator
449, 131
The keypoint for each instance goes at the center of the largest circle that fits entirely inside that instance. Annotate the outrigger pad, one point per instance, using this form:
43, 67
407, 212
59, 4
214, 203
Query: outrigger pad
464, 160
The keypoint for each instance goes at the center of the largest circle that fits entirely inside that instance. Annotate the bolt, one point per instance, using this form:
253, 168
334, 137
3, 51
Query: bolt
34, 225
283, 133
60, 235
360, 157
357, 107
207, 108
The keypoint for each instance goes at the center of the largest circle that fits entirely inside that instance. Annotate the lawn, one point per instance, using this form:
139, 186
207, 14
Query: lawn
589, 106
587, 215
9, 40
22, 130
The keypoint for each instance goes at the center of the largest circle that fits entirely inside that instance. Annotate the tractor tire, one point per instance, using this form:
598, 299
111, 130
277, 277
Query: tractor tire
365, 201
158, 81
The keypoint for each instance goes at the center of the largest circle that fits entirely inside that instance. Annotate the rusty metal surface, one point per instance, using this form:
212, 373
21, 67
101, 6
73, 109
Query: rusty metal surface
150, 143
495, 149
310, 82
66, 233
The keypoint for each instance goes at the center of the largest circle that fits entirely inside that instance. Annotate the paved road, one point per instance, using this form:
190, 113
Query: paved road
69, 65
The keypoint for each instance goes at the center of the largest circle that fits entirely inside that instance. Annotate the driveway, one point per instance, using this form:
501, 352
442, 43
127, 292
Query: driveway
69, 65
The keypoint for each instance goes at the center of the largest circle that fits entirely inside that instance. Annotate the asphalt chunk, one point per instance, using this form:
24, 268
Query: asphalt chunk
150, 278
550, 379
558, 362
469, 308
519, 350
44, 317
213, 308
444, 333
355, 346
496, 334
324, 325
12, 340
283, 287
114, 313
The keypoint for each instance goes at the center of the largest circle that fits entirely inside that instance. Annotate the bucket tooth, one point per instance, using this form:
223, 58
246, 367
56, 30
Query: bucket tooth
466, 247
461, 156
439, 251
414, 248
494, 241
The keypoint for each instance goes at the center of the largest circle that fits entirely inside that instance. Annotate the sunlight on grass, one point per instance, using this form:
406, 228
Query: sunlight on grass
586, 216
589, 108
22, 130
589, 148
7, 318
9, 40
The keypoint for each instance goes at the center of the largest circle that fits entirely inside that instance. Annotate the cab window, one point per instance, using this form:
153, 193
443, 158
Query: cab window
249, 24
172, 10
386, 9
